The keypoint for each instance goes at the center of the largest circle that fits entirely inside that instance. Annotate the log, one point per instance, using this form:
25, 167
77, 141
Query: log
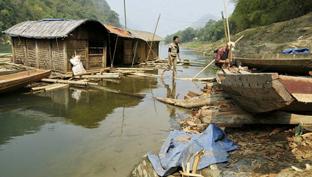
145, 75
208, 79
238, 117
100, 76
135, 95
136, 69
195, 102
70, 82
49, 87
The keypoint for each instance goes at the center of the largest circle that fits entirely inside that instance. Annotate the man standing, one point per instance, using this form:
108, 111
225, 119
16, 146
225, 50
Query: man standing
174, 53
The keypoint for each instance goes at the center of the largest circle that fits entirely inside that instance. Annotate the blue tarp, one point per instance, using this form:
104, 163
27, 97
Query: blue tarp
180, 147
296, 51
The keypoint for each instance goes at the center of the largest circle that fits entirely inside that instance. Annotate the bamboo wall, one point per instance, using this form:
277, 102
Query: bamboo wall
43, 54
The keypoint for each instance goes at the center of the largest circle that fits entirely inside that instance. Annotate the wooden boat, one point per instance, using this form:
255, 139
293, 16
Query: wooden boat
266, 92
17, 80
282, 65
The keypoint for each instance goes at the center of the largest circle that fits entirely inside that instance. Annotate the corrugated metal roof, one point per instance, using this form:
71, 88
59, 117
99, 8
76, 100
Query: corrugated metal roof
146, 36
45, 29
118, 31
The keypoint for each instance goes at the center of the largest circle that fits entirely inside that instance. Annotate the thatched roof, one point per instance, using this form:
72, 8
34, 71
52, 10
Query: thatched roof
46, 29
146, 36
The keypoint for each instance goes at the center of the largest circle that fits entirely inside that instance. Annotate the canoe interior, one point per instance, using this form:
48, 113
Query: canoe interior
298, 66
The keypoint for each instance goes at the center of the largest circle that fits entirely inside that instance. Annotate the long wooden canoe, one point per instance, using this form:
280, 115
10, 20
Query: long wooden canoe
266, 92
20, 79
282, 65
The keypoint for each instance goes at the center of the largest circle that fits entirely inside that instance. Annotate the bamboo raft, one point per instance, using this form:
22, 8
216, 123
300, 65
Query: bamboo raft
266, 92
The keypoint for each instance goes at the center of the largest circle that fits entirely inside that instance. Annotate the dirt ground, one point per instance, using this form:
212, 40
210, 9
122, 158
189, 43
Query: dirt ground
266, 151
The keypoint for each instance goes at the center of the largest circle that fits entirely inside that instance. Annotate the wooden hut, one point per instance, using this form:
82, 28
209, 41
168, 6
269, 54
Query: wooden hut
50, 43
131, 47
147, 45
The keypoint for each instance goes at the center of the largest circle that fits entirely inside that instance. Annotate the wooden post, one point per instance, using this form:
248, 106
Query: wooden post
87, 55
25, 53
65, 57
151, 46
37, 54
104, 57
112, 63
135, 50
13, 50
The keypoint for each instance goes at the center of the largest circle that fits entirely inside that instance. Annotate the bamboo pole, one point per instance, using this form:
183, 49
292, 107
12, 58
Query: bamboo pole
225, 28
194, 78
112, 63
134, 55
151, 46
227, 20
125, 14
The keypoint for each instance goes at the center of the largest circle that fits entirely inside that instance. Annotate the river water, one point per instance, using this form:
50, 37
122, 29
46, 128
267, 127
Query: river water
89, 133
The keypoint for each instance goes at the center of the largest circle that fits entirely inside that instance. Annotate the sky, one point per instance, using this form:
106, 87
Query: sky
175, 14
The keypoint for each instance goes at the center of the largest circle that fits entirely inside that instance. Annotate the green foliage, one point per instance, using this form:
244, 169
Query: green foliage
15, 11
255, 13
213, 31
186, 35
248, 14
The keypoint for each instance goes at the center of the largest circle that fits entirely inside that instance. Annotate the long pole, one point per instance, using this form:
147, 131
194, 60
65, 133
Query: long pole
227, 20
112, 63
151, 46
125, 14
203, 69
225, 28
134, 55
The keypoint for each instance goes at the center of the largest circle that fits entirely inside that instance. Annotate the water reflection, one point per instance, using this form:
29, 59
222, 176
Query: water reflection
23, 114
88, 132
171, 92
88, 107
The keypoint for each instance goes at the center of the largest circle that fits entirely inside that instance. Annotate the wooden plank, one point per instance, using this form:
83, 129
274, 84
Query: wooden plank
194, 102
50, 87
100, 76
302, 97
70, 82
209, 79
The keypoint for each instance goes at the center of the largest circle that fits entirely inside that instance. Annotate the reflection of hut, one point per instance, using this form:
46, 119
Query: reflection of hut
50, 43
130, 47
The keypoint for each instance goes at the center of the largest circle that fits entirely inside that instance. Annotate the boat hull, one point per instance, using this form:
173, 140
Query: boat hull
266, 92
18, 80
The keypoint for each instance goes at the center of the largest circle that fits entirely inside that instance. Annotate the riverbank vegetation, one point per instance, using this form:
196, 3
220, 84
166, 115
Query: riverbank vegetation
15, 11
269, 39
247, 14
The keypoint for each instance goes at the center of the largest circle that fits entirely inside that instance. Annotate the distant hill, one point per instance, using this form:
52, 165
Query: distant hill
201, 22
15, 11
270, 39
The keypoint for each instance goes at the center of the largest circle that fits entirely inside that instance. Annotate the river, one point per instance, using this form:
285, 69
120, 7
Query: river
88, 133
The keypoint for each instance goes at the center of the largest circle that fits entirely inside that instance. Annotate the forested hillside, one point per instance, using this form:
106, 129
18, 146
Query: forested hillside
248, 14
15, 11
